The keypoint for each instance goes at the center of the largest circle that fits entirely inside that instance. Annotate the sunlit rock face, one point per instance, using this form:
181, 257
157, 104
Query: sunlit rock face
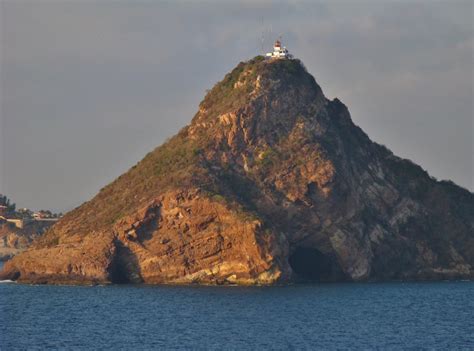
270, 183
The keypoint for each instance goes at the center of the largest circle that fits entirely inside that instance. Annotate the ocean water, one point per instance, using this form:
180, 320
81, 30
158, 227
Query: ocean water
327, 316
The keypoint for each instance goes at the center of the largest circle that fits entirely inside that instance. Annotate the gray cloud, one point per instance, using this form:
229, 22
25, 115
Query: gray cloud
88, 88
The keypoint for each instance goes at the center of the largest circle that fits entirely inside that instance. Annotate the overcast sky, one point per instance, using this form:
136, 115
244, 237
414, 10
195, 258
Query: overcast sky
89, 87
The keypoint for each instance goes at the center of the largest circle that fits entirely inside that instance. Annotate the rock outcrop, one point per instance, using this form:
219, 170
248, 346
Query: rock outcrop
14, 240
270, 183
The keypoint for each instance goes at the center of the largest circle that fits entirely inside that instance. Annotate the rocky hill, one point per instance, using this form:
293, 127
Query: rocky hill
270, 183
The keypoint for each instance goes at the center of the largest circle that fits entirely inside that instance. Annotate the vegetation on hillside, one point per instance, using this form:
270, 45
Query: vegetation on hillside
224, 96
233, 91
175, 163
5, 201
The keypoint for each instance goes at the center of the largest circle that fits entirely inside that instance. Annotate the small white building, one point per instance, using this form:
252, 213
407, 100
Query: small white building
279, 52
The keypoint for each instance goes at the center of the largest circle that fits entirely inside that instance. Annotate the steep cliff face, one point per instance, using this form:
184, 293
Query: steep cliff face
270, 183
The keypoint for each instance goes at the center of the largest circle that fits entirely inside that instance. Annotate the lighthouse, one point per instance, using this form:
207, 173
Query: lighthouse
279, 52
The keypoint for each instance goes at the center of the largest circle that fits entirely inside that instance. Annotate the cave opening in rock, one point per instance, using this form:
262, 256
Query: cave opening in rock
311, 265
117, 271
124, 267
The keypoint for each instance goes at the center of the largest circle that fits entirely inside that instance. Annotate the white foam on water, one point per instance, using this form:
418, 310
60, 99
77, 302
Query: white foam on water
7, 281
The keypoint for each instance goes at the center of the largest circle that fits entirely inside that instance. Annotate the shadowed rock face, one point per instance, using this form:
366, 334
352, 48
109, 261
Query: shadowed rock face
270, 183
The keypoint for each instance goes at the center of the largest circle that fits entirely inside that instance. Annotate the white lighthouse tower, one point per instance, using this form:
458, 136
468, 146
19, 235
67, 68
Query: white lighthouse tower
279, 52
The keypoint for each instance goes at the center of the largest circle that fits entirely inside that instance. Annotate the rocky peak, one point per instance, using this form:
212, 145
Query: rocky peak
259, 96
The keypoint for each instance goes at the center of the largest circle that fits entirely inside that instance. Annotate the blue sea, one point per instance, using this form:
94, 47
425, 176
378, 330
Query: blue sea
326, 316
